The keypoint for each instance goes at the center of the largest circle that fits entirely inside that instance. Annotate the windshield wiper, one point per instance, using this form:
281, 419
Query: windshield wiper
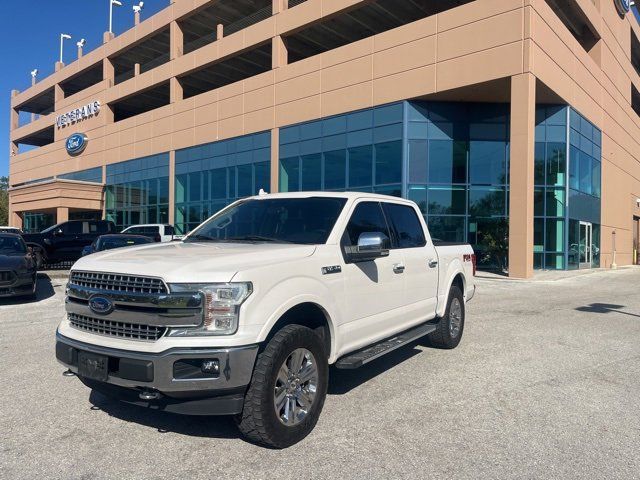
255, 238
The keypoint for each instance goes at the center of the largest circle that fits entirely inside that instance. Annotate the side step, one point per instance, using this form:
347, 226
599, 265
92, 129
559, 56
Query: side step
367, 354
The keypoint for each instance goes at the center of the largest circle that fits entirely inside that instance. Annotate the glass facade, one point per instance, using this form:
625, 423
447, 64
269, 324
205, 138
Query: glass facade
458, 164
137, 191
91, 175
209, 177
451, 158
567, 189
359, 151
34, 222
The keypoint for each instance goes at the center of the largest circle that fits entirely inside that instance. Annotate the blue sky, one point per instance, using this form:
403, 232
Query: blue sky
31, 39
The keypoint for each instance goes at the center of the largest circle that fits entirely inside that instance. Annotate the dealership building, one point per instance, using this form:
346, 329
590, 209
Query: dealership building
513, 124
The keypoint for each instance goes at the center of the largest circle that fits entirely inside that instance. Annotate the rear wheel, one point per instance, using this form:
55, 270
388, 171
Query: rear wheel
450, 327
287, 390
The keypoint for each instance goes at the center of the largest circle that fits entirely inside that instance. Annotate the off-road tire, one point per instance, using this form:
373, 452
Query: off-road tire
258, 421
442, 337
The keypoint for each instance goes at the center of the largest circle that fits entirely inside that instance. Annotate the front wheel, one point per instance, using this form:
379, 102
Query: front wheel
449, 330
287, 390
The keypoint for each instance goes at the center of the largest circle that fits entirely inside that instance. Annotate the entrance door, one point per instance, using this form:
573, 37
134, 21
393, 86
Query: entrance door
586, 244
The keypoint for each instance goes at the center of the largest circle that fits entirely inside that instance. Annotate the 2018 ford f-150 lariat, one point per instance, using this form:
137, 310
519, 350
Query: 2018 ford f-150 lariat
246, 314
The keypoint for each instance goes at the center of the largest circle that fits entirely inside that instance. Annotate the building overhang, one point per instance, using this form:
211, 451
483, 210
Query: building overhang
56, 193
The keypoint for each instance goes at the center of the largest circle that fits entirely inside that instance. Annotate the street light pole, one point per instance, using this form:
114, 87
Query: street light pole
63, 37
117, 3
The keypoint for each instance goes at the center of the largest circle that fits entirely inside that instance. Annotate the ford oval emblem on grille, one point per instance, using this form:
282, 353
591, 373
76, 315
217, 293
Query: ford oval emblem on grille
101, 305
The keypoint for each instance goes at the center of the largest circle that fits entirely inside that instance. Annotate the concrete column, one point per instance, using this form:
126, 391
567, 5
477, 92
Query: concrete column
219, 31
521, 179
107, 37
280, 6
172, 187
59, 66
14, 123
15, 219
136, 69
80, 53
275, 160
62, 214
176, 40
136, 18
108, 72
58, 95
176, 93
104, 192
279, 54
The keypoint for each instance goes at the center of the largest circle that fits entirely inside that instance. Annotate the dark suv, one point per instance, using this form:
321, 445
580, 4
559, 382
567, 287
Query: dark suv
64, 242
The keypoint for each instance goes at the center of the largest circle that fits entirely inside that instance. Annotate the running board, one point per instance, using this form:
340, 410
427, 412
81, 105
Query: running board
361, 357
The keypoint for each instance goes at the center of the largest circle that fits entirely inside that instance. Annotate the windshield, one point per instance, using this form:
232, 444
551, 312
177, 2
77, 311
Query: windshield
52, 228
111, 243
12, 246
305, 221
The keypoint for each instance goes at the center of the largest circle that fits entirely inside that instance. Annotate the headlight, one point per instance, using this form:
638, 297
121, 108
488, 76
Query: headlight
222, 303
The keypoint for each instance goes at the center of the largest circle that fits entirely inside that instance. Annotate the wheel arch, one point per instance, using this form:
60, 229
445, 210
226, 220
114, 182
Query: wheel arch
308, 314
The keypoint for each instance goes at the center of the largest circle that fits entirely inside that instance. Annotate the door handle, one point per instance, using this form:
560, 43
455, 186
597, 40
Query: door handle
398, 268
433, 263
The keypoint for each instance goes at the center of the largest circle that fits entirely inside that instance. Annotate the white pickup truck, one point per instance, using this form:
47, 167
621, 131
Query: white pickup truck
246, 314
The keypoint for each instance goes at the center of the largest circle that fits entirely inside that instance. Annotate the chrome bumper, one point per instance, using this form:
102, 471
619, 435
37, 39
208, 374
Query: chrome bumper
158, 371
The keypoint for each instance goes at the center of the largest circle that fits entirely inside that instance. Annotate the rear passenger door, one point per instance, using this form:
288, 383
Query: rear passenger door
418, 253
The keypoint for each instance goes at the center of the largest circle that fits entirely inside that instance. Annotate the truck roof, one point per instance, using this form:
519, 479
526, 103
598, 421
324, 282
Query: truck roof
347, 195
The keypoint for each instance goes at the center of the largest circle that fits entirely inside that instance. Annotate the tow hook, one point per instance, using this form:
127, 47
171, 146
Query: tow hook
149, 395
68, 373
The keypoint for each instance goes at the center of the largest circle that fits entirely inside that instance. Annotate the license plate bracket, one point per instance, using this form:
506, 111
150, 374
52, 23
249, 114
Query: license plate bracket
95, 367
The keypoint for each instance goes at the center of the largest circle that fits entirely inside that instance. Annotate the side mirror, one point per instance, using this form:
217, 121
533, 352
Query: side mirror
371, 245
58, 233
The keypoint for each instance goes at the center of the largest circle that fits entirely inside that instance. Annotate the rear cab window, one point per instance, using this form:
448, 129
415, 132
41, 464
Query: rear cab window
405, 226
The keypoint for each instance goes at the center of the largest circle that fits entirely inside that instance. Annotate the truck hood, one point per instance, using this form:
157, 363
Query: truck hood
192, 262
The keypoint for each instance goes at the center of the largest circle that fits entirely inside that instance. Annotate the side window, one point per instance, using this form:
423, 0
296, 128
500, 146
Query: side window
168, 230
72, 228
405, 226
134, 231
367, 217
99, 227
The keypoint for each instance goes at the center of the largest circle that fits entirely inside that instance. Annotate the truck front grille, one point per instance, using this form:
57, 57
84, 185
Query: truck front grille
7, 277
112, 282
131, 331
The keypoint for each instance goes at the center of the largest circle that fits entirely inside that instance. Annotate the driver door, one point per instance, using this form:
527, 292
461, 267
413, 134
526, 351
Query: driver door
374, 299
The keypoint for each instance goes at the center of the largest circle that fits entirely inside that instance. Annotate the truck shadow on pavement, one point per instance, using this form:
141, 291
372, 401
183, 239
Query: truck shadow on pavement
45, 291
340, 383
605, 308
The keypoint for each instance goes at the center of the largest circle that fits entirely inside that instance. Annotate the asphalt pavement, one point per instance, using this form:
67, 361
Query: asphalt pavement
545, 384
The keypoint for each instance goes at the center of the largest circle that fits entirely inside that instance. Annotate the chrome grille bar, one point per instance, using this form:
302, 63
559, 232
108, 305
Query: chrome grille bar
111, 282
130, 331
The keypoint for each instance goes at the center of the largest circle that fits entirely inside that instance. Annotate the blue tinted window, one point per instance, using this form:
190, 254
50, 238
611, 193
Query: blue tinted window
585, 173
447, 162
361, 166
487, 162
388, 162
556, 163
289, 174
335, 170
418, 161
487, 201
311, 172
448, 200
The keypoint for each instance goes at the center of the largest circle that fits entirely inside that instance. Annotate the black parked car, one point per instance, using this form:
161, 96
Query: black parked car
109, 242
18, 273
64, 242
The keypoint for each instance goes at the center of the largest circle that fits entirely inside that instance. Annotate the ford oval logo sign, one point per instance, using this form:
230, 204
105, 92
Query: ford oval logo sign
76, 144
101, 305
623, 6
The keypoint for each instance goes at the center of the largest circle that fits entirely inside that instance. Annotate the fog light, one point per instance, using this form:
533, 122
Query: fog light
210, 367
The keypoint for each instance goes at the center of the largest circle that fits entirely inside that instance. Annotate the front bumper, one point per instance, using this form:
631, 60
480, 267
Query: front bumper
22, 285
173, 376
